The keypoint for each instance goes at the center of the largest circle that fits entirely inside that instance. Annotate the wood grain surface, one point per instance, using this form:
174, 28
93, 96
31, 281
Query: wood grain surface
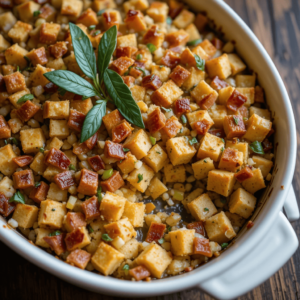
277, 25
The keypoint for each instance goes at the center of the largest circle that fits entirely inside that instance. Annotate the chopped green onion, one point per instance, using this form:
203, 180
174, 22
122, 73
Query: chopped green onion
126, 268
97, 32
25, 98
236, 120
169, 228
183, 119
36, 13
167, 109
151, 47
200, 63
53, 209
223, 140
194, 42
158, 152
42, 150
142, 70
105, 237
72, 167
193, 141
107, 174
99, 194
178, 195
161, 241
37, 184
222, 149
206, 209
140, 177
55, 233
13, 140
92, 27
90, 229
152, 140
257, 147
169, 20
205, 160
100, 12
224, 245
18, 69
139, 57
126, 149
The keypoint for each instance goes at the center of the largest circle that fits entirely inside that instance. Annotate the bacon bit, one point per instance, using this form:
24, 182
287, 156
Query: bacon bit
80, 149
64, 180
6, 4
217, 43
92, 141
282, 187
201, 246
250, 224
267, 145
5, 131
128, 80
90, 208
73, 239
236, 100
121, 65
202, 127
78, 258
175, 8
188, 269
270, 133
182, 106
23, 161
170, 59
56, 243
172, 127
243, 111
125, 51
57, 159
74, 220
6, 208
114, 150
135, 73
217, 132
201, 22
232, 129
27, 111
139, 273
179, 75
198, 227
207, 102
259, 95
23, 179
218, 83
243, 174
96, 163
156, 232
39, 194
50, 88
121, 131
177, 38
88, 184
152, 82
113, 183
76, 120
156, 120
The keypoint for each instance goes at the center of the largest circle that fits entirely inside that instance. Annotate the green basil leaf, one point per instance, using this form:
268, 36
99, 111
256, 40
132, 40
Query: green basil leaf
17, 198
122, 97
106, 49
25, 98
200, 63
92, 121
257, 147
71, 82
84, 52
194, 42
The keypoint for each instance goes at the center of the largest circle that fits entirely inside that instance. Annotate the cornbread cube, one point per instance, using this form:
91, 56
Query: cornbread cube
54, 143
192, 32
20, 32
138, 143
195, 77
202, 207
112, 206
136, 4
199, 116
154, 36
258, 128
180, 151
158, 11
202, 91
174, 173
23, 179
234, 126
128, 164
32, 140
219, 66
200, 52
263, 164
245, 80
130, 249
242, 147
83, 106
50, 173
77, 239
128, 40
249, 93
7, 21
49, 33
51, 214
221, 182
224, 94
7, 187
218, 114
166, 94
208, 47
135, 20
202, 167
255, 183
210, 146
5, 131
106, 259
4, 44
56, 109
37, 76
184, 19
40, 234
182, 242
162, 72
235, 219
264, 113
111, 120
25, 215
155, 259
38, 56
15, 124
242, 203
156, 158
138, 93
219, 228
140, 178
88, 18
15, 82
14, 56
38, 165
231, 160
55, 193
16, 96
26, 10
236, 63
156, 188
135, 213
59, 129
71, 8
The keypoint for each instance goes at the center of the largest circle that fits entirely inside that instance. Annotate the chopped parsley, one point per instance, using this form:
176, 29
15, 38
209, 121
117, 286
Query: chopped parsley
169, 228
205, 160
142, 70
90, 229
53, 209
17, 198
193, 141
36, 13
152, 140
105, 237
194, 42
140, 177
72, 167
257, 147
126, 149
158, 152
126, 268
222, 149
151, 47
92, 27
42, 150
206, 209
97, 32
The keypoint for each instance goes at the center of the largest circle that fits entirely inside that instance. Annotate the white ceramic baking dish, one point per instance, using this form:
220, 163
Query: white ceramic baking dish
257, 253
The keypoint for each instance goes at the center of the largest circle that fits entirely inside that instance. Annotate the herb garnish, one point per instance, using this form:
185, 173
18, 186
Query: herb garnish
105, 237
37, 184
151, 47
17, 197
193, 141
36, 13
224, 245
126, 149
194, 42
42, 150
257, 147
92, 27
72, 167
90, 229
100, 12
140, 177
139, 56
25, 98
166, 109
183, 119
161, 241
99, 194
152, 140
206, 209
236, 120
13, 140
200, 63
55, 233
126, 268
107, 84
169, 20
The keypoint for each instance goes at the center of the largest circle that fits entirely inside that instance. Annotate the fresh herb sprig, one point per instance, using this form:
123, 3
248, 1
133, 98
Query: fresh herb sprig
107, 84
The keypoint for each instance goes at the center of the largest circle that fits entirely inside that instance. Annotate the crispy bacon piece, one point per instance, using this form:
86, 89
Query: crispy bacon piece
56, 243
172, 127
121, 65
250, 224
76, 120
202, 127
177, 38
139, 273
58, 50
27, 111
121, 131
259, 96
5, 131
74, 220
57, 159
114, 150
6, 208
217, 132
73, 239
39, 194
243, 111
2, 83
92, 141
156, 231
156, 120
151, 82
267, 145
88, 184
182, 106
90, 208
179, 75
96, 163
243, 174
201, 246
207, 102
23, 179
6, 4
50, 88
201, 22
47, 12
113, 183
170, 59
236, 100
128, 80
198, 226
175, 8
64, 180
217, 43
23, 161
78, 258
125, 51
80, 149
234, 126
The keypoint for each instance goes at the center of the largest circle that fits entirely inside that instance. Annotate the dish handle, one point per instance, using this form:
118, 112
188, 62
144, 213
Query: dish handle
291, 206
262, 262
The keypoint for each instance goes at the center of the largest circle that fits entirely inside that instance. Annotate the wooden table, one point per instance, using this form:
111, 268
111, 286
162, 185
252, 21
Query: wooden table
277, 25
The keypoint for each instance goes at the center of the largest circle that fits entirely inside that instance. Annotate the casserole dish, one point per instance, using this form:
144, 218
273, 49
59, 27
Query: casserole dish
271, 228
